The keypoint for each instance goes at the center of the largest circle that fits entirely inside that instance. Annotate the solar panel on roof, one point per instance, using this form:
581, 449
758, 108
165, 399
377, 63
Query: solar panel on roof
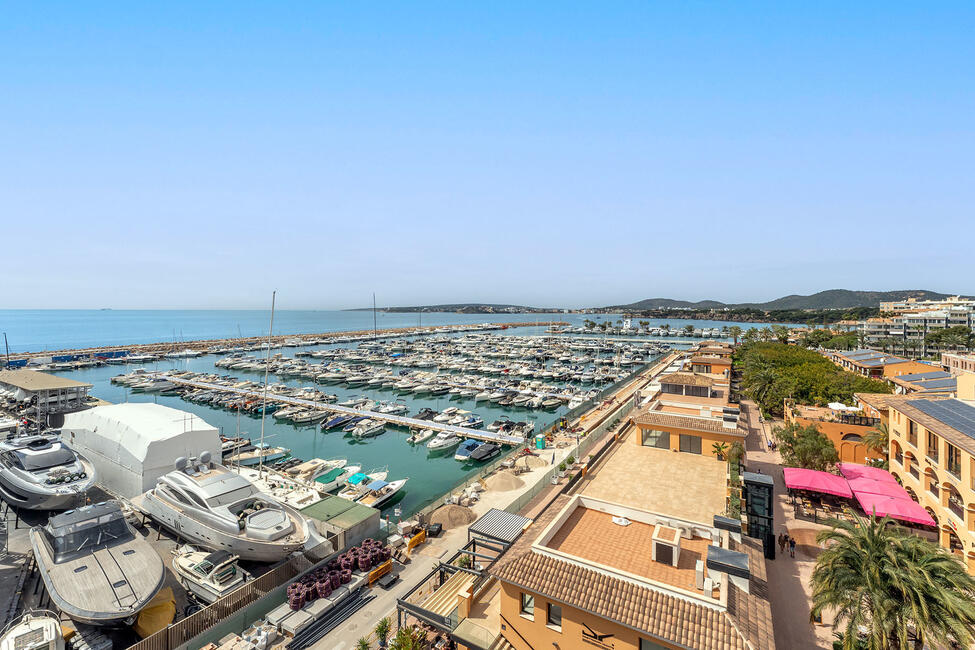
935, 374
950, 382
955, 414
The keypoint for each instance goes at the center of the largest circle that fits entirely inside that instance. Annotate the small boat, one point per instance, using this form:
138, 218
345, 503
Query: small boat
369, 429
425, 414
96, 569
310, 470
353, 423
35, 630
443, 442
332, 479
356, 484
260, 452
338, 421
466, 449
208, 575
446, 415
379, 493
486, 451
421, 436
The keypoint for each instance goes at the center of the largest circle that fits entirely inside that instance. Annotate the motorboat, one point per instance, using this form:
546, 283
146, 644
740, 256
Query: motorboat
467, 448
96, 569
378, 493
212, 506
310, 470
309, 416
260, 453
41, 472
421, 436
35, 630
369, 429
444, 442
339, 420
486, 451
208, 575
355, 485
447, 414
332, 479
425, 414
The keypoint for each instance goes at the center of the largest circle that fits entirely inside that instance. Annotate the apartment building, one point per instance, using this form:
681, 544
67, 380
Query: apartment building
877, 365
915, 305
906, 331
957, 362
932, 453
845, 427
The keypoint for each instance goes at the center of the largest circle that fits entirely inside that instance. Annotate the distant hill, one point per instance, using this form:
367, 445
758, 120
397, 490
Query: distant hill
830, 299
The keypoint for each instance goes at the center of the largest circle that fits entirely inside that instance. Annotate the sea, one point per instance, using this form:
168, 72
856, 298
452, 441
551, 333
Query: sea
430, 476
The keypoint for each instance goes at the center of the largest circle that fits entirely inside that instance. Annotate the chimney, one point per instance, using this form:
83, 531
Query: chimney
665, 545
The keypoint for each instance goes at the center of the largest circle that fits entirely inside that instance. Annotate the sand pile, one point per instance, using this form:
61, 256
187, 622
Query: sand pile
503, 482
531, 462
452, 516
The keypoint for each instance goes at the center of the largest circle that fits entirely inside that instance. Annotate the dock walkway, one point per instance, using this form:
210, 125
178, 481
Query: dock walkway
401, 420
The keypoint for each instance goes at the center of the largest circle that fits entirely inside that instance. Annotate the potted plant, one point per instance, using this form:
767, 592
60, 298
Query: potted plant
562, 469
363, 644
571, 460
382, 631
720, 448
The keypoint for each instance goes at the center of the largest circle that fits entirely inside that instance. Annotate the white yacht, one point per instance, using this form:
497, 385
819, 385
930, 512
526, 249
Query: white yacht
443, 442
332, 479
213, 506
95, 568
369, 429
379, 493
35, 630
208, 575
41, 472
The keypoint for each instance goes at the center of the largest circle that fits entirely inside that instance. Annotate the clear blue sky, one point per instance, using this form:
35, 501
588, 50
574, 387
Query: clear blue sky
555, 154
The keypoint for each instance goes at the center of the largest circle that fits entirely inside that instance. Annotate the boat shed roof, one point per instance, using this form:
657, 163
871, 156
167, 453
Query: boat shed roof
499, 525
32, 380
339, 512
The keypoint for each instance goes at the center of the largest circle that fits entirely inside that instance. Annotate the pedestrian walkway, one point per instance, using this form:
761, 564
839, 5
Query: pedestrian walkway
789, 580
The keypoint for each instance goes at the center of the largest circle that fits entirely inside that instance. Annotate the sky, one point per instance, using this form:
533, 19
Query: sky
200, 155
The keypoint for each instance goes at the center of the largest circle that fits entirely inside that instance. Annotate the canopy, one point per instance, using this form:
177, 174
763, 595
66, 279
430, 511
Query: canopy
815, 481
896, 508
852, 470
377, 485
870, 486
357, 478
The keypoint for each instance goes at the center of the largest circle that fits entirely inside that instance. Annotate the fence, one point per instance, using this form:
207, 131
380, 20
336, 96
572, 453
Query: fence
182, 632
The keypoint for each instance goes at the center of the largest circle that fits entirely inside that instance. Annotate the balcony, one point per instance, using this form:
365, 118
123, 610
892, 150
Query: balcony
956, 508
915, 472
899, 457
934, 489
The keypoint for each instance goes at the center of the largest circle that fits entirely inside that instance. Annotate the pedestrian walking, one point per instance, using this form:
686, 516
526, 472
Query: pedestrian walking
781, 543
792, 547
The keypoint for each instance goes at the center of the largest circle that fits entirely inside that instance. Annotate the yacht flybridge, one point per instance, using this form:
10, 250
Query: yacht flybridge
213, 506
42, 472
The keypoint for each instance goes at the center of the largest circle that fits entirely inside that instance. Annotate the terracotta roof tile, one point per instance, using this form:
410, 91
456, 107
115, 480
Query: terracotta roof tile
673, 421
687, 379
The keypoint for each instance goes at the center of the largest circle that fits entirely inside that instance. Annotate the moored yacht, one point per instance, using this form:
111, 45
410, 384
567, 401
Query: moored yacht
42, 472
212, 506
443, 442
95, 568
379, 493
466, 449
208, 575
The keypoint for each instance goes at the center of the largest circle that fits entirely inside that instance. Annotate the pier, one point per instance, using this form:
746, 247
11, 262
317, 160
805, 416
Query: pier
401, 420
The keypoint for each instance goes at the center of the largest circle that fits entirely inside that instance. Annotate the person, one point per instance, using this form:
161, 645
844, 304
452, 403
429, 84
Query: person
792, 547
781, 543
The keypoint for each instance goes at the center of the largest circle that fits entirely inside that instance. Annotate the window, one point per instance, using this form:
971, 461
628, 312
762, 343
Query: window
690, 444
554, 616
650, 645
658, 439
527, 605
932, 441
912, 432
954, 460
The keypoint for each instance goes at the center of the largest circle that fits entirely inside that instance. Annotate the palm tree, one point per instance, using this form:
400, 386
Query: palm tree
720, 448
884, 583
382, 631
878, 438
408, 638
363, 644
689, 329
735, 332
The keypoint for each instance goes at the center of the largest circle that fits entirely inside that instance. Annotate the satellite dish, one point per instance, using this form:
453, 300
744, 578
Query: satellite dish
205, 457
181, 463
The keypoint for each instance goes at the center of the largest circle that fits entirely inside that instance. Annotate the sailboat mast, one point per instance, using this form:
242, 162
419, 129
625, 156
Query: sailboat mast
267, 367
375, 333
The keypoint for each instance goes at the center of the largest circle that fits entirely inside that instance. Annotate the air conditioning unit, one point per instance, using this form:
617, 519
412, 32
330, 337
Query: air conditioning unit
665, 545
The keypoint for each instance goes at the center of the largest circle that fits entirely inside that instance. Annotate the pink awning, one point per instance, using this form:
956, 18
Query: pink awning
852, 471
814, 481
884, 488
902, 509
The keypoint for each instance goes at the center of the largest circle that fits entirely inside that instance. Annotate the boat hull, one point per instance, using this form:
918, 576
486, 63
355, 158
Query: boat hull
23, 496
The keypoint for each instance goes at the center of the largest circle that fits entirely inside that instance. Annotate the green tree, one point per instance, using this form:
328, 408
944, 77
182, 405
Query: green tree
720, 448
408, 638
665, 327
382, 631
781, 333
885, 584
878, 438
689, 329
734, 331
805, 447
363, 644
644, 324
766, 334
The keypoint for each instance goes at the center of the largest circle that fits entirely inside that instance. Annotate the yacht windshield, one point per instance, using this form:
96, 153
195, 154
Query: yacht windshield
229, 497
89, 535
46, 459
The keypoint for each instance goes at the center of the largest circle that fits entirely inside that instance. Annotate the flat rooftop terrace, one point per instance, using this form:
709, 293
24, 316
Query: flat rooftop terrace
687, 486
592, 536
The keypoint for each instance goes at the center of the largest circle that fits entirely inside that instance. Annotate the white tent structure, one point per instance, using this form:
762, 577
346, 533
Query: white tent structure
131, 445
